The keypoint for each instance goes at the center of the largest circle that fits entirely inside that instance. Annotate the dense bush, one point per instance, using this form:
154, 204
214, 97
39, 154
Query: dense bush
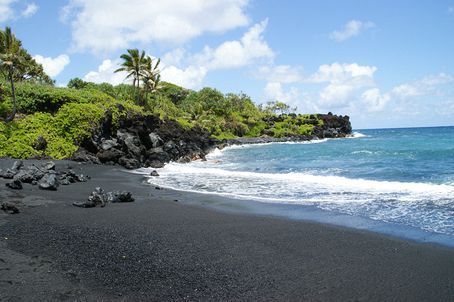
64, 117
62, 131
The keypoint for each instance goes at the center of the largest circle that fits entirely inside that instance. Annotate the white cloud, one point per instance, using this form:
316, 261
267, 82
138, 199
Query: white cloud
374, 100
190, 77
30, 10
249, 49
238, 53
6, 11
351, 29
426, 86
339, 73
275, 92
53, 66
284, 74
451, 9
106, 73
174, 57
344, 80
189, 70
105, 25
415, 93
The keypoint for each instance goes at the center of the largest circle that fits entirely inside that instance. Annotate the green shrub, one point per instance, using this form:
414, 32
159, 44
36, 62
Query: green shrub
77, 121
20, 138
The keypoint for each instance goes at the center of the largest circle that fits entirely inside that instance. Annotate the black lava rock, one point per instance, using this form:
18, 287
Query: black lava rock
15, 184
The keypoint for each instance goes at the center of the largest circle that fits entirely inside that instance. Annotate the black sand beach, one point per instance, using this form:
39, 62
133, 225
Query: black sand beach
159, 249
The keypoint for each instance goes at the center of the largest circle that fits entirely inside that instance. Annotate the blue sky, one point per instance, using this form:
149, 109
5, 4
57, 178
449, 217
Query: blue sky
384, 63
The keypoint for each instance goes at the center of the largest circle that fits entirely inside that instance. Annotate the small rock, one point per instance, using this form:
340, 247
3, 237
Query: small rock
9, 207
16, 184
99, 198
109, 144
156, 141
24, 176
40, 143
158, 188
49, 166
49, 182
118, 196
154, 173
129, 163
82, 178
8, 174
18, 164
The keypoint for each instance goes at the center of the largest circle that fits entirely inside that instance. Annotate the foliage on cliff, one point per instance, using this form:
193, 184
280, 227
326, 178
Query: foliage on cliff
53, 121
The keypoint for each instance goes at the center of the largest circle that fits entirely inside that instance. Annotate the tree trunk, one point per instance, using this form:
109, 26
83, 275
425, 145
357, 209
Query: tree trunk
13, 95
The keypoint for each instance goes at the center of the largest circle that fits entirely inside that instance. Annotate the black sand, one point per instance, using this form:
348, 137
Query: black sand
159, 249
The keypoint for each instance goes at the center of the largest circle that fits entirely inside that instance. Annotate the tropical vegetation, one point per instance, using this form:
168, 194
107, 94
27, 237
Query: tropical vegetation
33, 110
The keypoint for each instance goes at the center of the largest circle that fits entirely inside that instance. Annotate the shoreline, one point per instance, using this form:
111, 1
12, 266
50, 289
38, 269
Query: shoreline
227, 203
156, 248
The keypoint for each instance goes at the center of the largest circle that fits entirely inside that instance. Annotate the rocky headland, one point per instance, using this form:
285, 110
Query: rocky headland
152, 142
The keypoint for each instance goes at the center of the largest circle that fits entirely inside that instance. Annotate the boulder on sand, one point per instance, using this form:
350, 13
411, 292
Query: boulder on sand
99, 198
9, 207
16, 184
49, 182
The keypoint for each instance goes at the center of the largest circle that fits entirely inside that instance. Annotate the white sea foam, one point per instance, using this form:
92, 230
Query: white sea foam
409, 202
219, 152
363, 152
329, 183
357, 135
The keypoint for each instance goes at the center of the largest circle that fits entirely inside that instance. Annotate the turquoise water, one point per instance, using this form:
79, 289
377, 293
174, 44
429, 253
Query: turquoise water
403, 177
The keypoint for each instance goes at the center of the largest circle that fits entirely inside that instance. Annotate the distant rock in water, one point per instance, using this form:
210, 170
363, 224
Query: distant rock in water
334, 126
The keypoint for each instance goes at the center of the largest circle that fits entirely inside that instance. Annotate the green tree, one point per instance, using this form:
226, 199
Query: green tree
10, 60
151, 75
77, 83
134, 64
277, 107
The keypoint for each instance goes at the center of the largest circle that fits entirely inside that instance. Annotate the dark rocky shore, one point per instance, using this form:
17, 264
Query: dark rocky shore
157, 249
151, 142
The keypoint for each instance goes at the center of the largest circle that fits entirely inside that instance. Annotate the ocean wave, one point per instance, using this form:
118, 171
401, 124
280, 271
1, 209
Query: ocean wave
423, 205
318, 183
357, 135
363, 152
219, 152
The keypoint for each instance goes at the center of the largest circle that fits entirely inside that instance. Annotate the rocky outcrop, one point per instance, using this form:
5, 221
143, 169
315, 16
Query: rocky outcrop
45, 176
145, 141
334, 126
151, 142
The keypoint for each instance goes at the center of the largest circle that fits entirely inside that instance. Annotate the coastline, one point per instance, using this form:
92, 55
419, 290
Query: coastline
156, 248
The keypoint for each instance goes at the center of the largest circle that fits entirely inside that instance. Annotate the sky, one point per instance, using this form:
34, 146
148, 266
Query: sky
384, 63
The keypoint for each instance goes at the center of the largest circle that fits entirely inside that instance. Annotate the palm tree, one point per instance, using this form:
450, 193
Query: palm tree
151, 77
134, 63
10, 60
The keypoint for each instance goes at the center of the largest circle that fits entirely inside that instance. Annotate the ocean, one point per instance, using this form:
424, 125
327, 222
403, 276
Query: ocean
394, 180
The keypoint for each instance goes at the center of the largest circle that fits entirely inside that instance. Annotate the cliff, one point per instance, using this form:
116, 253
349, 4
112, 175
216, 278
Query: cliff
150, 141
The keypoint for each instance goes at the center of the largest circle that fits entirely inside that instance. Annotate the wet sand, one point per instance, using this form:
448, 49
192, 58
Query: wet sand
160, 249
